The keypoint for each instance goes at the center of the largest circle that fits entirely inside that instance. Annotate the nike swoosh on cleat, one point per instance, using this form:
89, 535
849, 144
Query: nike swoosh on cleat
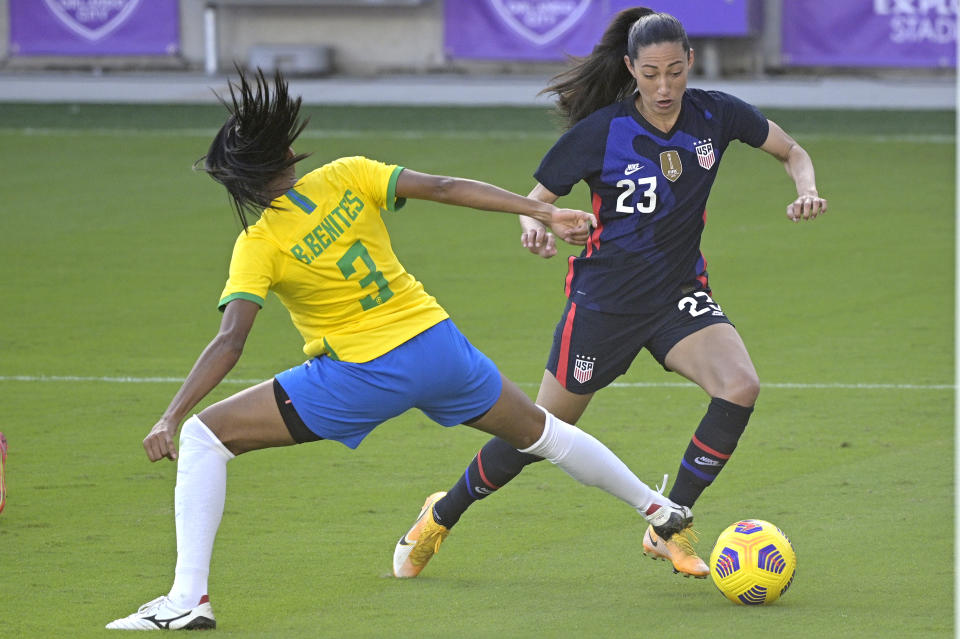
403, 542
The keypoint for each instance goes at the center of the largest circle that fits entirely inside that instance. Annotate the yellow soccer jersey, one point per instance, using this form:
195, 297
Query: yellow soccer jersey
324, 250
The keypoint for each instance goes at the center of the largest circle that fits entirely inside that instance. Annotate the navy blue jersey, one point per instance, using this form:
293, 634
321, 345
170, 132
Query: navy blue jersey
649, 192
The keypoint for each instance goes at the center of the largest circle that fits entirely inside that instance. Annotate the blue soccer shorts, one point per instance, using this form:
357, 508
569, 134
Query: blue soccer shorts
592, 348
438, 371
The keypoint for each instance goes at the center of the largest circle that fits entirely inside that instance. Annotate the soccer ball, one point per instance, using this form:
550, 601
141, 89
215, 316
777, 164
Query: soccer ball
753, 562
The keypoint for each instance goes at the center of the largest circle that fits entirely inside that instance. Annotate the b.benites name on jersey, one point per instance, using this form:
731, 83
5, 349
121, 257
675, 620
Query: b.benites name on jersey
329, 229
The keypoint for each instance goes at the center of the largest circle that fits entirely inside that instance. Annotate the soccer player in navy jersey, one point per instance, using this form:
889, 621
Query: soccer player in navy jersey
649, 149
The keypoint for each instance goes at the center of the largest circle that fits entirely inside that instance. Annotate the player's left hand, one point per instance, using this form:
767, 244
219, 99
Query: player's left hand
806, 207
572, 226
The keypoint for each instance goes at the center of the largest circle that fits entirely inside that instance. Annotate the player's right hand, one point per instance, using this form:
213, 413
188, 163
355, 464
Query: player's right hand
159, 442
539, 241
572, 226
806, 207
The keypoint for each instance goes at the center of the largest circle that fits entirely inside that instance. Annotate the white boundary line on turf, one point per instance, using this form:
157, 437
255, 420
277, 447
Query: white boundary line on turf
794, 385
785, 385
413, 134
933, 138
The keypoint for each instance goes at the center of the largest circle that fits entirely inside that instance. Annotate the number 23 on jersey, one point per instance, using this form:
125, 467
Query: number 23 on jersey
647, 201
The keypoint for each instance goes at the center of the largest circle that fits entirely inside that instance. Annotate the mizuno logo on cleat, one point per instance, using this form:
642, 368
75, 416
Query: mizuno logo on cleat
165, 623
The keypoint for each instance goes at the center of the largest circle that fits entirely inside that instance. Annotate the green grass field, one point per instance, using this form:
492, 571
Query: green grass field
114, 254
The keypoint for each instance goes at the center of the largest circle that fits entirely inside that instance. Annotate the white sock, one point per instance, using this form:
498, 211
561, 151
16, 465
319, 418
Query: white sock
588, 461
198, 505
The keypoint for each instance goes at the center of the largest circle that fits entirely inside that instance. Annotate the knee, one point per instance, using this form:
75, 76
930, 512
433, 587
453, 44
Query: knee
529, 429
221, 429
741, 388
521, 427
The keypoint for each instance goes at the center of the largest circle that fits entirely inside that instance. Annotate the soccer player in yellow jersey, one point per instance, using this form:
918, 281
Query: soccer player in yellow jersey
377, 343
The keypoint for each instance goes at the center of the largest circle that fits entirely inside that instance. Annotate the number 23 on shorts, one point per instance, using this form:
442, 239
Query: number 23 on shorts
699, 304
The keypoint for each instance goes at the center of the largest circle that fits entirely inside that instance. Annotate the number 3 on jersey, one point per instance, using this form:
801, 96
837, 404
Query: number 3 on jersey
648, 195
373, 276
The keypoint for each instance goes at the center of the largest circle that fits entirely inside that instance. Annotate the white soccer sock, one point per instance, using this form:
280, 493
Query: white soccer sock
198, 505
588, 461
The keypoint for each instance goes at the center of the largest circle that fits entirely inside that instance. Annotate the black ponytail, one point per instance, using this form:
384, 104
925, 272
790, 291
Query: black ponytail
252, 147
602, 77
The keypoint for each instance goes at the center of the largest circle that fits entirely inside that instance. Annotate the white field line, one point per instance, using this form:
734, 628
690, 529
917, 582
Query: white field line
248, 382
413, 134
417, 134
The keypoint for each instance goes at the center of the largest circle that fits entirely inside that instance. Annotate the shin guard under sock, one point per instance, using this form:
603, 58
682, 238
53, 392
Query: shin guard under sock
709, 449
584, 458
198, 503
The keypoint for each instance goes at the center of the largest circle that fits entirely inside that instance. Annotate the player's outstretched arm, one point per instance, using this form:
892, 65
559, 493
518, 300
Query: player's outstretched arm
536, 238
808, 204
216, 360
566, 223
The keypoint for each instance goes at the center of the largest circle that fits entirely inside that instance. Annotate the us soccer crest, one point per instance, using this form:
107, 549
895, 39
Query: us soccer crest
583, 368
670, 165
705, 155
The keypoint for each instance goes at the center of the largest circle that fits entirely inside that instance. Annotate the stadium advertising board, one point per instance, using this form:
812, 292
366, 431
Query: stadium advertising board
552, 29
94, 27
871, 33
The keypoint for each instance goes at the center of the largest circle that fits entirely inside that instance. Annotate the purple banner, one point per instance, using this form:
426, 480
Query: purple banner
509, 30
871, 33
703, 18
552, 29
94, 27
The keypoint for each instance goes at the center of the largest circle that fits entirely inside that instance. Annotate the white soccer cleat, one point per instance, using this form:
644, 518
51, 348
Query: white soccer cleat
160, 614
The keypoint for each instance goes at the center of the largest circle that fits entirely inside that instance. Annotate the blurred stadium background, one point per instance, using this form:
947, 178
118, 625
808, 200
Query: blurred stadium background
775, 53
113, 255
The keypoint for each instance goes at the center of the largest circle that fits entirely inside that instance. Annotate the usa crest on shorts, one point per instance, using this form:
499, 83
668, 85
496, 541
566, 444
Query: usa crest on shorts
583, 368
705, 154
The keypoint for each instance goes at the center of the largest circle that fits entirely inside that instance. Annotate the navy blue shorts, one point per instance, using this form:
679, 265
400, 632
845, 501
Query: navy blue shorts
591, 348
438, 371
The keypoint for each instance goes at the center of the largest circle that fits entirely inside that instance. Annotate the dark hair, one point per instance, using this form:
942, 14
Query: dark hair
252, 147
602, 78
